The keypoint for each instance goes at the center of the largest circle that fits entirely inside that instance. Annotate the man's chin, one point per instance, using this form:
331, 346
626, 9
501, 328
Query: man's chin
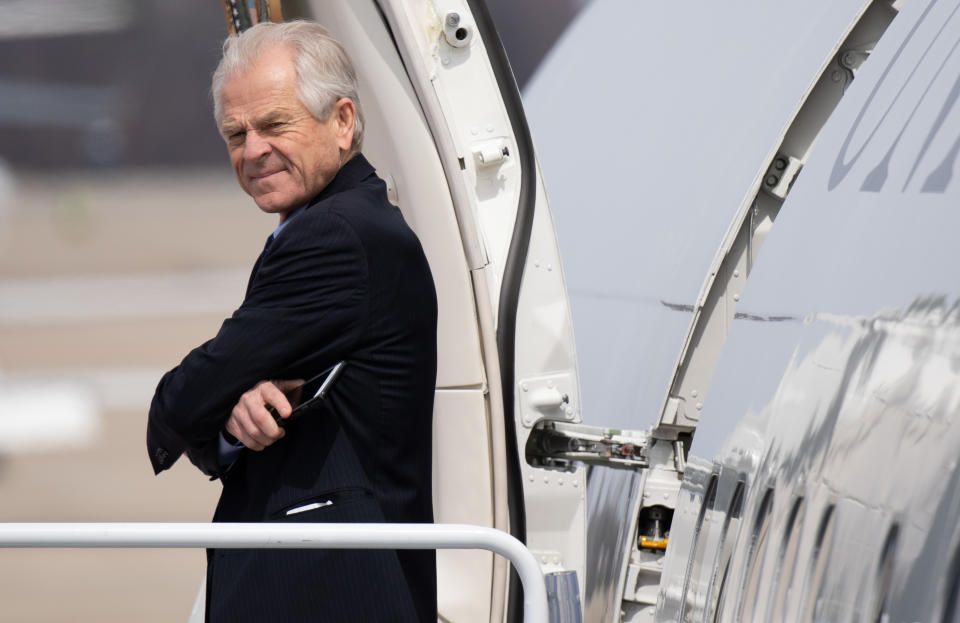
271, 203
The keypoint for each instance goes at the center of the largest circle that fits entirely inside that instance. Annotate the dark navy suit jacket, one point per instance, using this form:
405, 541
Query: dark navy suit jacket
345, 280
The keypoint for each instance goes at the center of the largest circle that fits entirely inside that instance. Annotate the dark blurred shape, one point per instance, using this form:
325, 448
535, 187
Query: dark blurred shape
39, 18
115, 82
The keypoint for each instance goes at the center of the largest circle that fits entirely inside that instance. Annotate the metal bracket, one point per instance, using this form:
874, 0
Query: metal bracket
457, 33
780, 175
560, 445
488, 153
551, 396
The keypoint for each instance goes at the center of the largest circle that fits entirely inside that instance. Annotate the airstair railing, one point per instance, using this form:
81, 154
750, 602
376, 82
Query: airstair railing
290, 536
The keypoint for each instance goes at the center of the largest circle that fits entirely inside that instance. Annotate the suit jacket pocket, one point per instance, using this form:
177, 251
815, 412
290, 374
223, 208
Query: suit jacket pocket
340, 505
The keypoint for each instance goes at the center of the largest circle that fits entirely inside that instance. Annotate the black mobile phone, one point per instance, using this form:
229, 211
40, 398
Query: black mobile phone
307, 394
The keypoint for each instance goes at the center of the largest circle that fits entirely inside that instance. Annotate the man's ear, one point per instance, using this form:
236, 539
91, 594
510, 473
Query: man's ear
345, 118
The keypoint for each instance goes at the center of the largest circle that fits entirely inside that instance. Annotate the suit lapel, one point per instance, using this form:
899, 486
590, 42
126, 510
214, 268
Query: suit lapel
256, 266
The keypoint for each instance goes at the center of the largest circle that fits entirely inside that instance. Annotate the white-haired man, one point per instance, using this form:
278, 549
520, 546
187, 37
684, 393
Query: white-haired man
342, 278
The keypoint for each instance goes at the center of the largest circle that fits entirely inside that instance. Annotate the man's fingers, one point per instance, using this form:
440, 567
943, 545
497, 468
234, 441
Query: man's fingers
235, 428
252, 429
255, 403
257, 427
267, 430
252, 423
272, 394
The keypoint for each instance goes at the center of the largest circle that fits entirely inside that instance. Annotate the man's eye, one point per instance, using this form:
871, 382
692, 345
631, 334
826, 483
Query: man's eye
237, 136
276, 125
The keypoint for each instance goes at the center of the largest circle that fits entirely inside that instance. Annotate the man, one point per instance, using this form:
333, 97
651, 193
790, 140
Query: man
341, 279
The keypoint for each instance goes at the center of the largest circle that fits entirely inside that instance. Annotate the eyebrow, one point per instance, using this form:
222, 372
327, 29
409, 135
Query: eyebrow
229, 127
271, 117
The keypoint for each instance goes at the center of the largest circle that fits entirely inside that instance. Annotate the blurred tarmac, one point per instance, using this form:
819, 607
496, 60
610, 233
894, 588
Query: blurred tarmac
106, 281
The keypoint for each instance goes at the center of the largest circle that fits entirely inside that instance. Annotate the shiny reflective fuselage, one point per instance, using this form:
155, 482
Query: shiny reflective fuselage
836, 497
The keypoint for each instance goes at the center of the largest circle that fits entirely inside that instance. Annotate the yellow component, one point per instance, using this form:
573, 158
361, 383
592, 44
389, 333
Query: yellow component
650, 543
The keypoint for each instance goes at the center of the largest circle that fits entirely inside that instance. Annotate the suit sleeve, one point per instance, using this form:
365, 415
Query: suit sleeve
304, 311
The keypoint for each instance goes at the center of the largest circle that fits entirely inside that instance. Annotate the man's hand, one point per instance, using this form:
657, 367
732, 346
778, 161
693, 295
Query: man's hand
251, 423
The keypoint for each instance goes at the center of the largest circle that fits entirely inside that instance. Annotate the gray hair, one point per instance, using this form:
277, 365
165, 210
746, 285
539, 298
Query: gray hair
324, 70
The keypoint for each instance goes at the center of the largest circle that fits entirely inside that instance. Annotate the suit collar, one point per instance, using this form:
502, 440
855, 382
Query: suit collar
352, 172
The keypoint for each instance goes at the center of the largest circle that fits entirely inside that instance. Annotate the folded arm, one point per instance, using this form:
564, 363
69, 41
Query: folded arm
303, 312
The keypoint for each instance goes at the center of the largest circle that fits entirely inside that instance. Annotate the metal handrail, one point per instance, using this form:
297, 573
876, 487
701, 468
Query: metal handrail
291, 536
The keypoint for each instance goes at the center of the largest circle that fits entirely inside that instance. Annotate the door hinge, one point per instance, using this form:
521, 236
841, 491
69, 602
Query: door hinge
561, 444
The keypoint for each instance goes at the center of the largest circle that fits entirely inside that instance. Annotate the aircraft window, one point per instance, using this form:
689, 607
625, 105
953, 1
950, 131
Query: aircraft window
758, 542
885, 572
695, 563
786, 561
730, 526
951, 606
816, 571
736, 503
720, 593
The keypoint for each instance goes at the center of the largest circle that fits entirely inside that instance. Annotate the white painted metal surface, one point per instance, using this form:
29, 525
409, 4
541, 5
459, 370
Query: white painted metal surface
461, 488
690, 100
290, 536
717, 304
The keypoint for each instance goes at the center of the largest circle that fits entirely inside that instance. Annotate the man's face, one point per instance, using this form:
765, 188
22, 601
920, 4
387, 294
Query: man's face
281, 154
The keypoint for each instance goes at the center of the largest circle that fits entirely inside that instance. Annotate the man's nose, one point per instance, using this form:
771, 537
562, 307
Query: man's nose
255, 147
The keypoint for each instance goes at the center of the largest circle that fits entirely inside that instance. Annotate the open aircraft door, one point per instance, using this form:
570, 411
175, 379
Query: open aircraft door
705, 149
445, 129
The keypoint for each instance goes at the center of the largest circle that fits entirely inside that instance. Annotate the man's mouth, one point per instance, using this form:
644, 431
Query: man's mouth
261, 176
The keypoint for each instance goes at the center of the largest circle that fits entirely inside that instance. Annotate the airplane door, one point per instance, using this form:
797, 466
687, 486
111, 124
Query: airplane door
716, 107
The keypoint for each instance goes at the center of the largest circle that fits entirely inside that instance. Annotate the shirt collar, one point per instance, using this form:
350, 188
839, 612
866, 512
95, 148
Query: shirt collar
293, 215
